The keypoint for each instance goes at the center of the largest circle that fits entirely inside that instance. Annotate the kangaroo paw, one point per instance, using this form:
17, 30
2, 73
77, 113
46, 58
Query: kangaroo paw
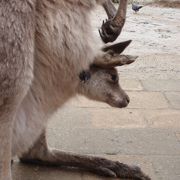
119, 170
109, 31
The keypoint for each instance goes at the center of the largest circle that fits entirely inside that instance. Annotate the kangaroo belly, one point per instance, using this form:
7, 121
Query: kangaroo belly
28, 125
64, 46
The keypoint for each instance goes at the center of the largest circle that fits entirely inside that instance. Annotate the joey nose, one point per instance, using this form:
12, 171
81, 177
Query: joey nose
125, 101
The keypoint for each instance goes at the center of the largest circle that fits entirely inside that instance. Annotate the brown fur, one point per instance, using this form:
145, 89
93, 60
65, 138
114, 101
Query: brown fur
44, 46
63, 48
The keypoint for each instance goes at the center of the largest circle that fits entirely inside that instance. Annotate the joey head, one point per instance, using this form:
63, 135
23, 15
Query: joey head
102, 81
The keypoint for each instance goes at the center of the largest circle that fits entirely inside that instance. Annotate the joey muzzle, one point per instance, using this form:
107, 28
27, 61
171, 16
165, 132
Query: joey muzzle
120, 102
124, 102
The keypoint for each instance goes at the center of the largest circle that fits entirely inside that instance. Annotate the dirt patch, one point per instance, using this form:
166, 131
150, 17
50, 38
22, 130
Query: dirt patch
167, 4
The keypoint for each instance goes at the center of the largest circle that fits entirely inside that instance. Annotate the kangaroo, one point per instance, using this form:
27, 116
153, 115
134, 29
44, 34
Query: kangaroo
101, 84
47, 49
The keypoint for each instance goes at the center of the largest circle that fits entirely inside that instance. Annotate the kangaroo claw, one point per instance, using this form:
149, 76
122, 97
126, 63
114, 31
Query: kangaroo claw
109, 31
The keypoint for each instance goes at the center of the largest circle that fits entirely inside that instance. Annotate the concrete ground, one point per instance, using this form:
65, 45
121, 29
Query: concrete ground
147, 133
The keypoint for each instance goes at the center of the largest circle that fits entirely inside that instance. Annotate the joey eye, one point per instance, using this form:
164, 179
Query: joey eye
114, 77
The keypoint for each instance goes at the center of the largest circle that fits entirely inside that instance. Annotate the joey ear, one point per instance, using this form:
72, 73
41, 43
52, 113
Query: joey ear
117, 48
109, 61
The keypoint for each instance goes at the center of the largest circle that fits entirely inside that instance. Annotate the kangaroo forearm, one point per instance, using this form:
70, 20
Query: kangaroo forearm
120, 17
110, 9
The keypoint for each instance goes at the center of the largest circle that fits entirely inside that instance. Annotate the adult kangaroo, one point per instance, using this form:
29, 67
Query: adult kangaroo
46, 56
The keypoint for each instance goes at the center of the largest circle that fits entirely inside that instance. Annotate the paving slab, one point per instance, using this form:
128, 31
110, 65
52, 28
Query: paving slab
131, 84
174, 99
147, 100
115, 118
118, 118
166, 167
98, 118
162, 119
178, 136
161, 85
115, 141
153, 66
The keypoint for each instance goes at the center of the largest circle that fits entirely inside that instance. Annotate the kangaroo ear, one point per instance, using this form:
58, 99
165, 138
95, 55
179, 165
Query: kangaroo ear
117, 48
109, 61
